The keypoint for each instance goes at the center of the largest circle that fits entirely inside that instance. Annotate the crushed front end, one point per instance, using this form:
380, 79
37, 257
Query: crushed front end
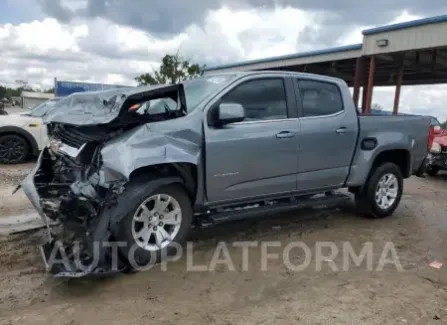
97, 141
437, 157
68, 186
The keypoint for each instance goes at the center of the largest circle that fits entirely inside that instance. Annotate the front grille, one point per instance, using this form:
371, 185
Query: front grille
77, 136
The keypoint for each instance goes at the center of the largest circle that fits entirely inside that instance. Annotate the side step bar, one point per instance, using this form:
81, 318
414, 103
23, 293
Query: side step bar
266, 208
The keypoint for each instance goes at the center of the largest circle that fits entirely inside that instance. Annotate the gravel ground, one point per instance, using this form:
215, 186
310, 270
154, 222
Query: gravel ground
277, 295
10, 177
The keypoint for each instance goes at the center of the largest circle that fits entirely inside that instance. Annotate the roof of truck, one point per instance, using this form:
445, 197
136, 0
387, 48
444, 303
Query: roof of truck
276, 72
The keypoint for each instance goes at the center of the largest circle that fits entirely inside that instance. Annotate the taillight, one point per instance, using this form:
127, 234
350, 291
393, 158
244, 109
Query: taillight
431, 137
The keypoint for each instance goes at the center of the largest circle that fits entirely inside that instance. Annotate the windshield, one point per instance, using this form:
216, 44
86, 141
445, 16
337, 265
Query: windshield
196, 90
42, 109
435, 122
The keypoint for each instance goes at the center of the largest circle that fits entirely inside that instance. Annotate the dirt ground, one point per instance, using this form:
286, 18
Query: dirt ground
278, 295
10, 177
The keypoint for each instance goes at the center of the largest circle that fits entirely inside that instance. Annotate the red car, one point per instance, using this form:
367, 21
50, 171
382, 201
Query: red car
437, 158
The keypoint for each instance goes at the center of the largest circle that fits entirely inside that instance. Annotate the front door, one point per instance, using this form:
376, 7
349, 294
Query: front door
258, 156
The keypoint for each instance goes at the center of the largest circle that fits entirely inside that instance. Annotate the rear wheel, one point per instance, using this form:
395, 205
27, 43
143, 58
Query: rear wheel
432, 171
382, 192
13, 149
158, 221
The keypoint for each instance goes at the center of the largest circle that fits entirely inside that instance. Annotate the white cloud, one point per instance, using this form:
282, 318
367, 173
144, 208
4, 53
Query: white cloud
101, 51
355, 35
97, 50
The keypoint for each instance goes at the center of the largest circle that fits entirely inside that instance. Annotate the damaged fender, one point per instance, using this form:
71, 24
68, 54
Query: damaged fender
149, 145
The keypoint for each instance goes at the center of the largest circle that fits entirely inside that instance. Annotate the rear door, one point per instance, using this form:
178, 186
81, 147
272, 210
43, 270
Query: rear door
258, 156
328, 135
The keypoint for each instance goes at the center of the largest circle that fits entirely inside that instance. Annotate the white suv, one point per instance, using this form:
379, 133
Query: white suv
23, 135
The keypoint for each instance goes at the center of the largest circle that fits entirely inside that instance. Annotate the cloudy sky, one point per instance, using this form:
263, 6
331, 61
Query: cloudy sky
112, 41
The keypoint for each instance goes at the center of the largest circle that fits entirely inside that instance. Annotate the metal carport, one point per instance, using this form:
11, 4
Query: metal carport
410, 53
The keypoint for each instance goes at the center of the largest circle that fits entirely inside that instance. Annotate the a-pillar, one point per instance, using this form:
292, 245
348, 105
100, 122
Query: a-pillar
369, 91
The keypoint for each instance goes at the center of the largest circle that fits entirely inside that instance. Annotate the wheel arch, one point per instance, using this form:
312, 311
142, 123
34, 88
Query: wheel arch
184, 172
400, 157
34, 148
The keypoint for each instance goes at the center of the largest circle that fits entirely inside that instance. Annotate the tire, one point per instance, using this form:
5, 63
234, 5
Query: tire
366, 199
14, 149
135, 255
432, 171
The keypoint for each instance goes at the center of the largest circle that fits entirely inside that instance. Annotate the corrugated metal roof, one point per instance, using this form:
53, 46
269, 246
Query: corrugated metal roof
408, 24
399, 26
290, 56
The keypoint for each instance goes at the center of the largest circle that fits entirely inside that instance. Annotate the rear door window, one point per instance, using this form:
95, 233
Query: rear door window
320, 98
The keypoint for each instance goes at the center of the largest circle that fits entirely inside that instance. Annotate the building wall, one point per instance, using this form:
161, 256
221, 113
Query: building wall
30, 103
421, 37
31, 99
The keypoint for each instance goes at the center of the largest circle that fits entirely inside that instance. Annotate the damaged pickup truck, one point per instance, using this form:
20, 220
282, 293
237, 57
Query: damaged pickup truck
141, 166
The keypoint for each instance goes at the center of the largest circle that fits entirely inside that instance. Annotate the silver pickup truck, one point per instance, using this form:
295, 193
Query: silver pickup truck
142, 166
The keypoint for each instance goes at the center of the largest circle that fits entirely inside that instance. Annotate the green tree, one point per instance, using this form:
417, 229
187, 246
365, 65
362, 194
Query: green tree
3, 93
9, 92
173, 69
376, 106
49, 90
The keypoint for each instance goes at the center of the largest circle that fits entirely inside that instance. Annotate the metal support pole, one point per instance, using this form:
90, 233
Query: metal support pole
369, 95
397, 91
357, 80
364, 94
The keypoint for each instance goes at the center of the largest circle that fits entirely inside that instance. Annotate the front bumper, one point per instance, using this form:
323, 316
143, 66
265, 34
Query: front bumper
57, 263
420, 172
62, 260
437, 160
30, 190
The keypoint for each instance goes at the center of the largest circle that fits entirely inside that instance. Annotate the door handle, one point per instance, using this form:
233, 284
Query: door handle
285, 134
342, 130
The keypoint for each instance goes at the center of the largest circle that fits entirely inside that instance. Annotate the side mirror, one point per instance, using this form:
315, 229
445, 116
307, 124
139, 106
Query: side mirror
437, 129
230, 113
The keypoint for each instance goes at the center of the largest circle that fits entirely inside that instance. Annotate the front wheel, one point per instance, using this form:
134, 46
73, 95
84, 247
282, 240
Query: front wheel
13, 149
382, 192
157, 222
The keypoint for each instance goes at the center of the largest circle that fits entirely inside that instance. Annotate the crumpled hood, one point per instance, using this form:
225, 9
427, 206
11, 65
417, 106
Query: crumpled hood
102, 107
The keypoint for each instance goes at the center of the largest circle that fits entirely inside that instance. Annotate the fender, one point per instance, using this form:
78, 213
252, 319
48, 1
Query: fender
34, 148
120, 208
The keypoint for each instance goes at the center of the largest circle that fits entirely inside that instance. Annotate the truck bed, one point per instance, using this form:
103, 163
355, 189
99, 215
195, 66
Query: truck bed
393, 132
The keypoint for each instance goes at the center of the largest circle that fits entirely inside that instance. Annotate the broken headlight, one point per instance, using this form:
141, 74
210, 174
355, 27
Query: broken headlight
54, 145
435, 148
